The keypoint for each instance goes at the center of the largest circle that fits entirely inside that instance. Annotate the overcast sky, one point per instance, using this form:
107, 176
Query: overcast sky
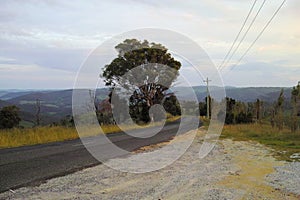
44, 42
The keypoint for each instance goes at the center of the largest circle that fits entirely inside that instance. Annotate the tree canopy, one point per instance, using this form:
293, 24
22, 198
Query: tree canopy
151, 59
9, 117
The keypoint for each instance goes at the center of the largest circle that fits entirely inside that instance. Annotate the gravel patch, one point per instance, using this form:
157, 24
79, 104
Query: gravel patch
286, 178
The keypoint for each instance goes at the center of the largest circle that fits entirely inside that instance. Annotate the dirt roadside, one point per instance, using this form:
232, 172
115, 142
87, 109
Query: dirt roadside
253, 163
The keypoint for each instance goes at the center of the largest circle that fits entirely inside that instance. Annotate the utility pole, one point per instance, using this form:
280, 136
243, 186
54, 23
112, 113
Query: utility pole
298, 100
207, 98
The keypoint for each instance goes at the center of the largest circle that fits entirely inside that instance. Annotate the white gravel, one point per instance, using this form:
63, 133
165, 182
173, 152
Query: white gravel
286, 178
188, 178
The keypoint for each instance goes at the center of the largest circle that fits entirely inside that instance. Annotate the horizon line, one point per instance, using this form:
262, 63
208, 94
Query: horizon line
228, 86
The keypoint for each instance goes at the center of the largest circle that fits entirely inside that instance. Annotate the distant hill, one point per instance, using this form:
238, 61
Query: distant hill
10, 95
247, 94
56, 104
268, 94
3, 103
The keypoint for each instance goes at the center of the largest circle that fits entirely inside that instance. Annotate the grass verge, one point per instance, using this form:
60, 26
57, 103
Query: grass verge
283, 142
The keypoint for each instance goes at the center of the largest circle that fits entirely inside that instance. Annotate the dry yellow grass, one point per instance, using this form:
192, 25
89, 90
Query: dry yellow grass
39, 135
29, 136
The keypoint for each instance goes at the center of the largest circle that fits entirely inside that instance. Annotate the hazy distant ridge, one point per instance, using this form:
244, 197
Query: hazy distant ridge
56, 104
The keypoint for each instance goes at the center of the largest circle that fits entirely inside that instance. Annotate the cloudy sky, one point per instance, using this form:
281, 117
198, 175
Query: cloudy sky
43, 43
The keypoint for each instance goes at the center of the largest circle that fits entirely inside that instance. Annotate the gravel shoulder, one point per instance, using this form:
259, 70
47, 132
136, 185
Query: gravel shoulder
233, 170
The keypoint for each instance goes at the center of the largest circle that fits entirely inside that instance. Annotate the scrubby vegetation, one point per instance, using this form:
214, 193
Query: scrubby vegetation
276, 125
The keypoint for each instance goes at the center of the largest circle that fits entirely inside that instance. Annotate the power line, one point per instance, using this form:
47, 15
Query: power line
245, 34
238, 35
260, 34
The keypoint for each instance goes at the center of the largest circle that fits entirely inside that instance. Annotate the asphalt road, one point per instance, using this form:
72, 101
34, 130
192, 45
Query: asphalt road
32, 165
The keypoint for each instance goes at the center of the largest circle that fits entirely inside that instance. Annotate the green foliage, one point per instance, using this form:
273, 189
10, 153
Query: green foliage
237, 112
68, 121
203, 106
229, 119
280, 100
278, 117
243, 118
172, 106
139, 112
295, 114
9, 117
105, 118
257, 109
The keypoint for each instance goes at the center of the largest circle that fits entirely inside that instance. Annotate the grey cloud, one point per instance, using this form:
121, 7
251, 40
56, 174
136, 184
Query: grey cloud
261, 66
55, 58
7, 15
